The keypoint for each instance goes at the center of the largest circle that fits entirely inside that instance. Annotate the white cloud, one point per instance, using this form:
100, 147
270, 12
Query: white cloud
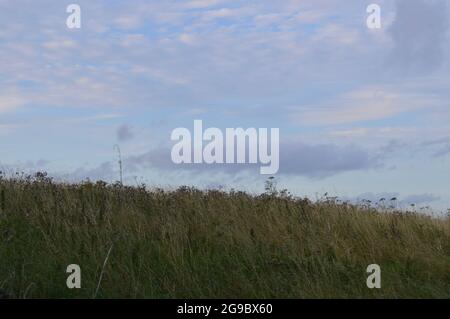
419, 33
10, 102
60, 44
368, 104
187, 38
200, 4
129, 21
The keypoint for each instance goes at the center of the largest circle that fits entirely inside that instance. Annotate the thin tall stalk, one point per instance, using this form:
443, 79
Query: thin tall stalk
103, 270
117, 147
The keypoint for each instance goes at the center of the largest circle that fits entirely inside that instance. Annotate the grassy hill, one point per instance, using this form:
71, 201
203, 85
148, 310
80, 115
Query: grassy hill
135, 243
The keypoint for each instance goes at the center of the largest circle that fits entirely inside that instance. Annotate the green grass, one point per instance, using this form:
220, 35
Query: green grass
193, 244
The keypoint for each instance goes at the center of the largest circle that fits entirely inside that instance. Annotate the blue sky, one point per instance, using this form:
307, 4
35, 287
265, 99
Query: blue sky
362, 113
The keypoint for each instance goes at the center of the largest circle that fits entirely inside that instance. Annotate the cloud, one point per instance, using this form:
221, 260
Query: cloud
421, 199
27, 167
104, 171
365, 104
419, 34
6, 129
187, 39
124, 133
296, 159
442, 145
60, 44
10, 102
400, 200
324, 160
128, 21
200, 4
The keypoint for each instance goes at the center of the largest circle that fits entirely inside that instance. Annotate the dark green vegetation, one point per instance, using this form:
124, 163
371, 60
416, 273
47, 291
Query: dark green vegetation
193, 244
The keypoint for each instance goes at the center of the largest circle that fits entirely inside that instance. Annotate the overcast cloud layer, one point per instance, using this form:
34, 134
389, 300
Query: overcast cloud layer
359, 110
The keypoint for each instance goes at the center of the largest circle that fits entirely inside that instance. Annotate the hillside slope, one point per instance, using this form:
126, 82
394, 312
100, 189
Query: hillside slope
134, 243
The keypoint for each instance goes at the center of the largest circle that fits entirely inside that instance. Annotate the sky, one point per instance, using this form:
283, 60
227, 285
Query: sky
363, 113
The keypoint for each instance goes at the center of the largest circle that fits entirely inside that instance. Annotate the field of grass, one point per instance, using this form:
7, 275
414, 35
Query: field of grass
138, 243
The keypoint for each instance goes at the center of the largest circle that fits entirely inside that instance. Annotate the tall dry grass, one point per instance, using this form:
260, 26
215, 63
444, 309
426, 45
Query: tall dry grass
210, 244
